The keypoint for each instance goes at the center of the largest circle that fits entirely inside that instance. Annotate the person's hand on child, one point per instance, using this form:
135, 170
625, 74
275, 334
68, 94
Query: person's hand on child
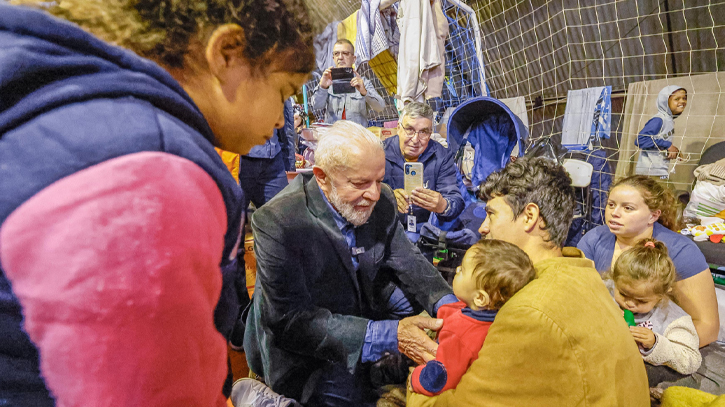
644, 337
413, 341
672, 152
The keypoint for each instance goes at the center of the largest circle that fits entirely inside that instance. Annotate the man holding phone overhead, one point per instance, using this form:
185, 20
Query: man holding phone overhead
343, 92
405, 154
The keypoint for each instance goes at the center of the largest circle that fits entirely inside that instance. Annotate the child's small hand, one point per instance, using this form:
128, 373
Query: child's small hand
643, 336
672, 152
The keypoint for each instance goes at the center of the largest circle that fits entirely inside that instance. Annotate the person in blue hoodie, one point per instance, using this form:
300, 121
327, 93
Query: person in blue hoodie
654, 138
119, 223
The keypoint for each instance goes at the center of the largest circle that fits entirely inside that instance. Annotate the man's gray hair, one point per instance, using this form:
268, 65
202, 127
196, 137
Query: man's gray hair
337, 143
413, 110
345, 41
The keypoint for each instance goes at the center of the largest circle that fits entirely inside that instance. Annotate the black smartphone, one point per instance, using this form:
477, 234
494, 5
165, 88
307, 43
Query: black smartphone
341, 78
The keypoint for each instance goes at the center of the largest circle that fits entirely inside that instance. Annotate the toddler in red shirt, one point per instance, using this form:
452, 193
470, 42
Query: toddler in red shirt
492, 271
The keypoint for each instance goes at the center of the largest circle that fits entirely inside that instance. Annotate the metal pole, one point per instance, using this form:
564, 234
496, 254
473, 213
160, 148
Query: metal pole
304, 102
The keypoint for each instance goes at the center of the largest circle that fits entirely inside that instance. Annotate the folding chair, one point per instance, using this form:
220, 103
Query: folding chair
581, 177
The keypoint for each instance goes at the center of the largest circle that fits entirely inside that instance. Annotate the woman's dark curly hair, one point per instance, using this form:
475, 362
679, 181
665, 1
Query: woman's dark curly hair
276, 31
540, 181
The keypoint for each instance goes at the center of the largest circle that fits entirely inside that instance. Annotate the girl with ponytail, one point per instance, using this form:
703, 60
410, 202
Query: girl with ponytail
641, 282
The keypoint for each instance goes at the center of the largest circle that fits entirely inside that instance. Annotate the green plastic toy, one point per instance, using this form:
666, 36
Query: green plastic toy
629, 317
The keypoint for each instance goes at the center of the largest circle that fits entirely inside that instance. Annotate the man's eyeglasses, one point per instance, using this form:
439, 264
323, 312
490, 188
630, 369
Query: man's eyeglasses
423, 135
343, 53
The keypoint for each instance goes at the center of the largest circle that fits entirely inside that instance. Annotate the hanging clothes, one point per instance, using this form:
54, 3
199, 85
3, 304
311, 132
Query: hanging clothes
587, 120
436, 76
385, 67
392, 33
423, 29
588, 117
371, 39
323, 44
371, 45
462, 66
347, 29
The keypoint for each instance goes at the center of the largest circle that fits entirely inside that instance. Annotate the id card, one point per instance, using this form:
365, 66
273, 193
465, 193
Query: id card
411, 223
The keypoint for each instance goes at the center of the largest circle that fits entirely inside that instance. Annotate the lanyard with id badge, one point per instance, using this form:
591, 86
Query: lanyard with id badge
412, 178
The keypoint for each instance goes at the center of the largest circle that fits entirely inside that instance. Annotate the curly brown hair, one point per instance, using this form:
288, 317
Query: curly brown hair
500, 268
656, 197
165, 30
540, 181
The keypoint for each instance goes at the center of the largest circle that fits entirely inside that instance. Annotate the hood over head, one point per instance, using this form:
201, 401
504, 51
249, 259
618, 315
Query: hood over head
663, 105
57, 63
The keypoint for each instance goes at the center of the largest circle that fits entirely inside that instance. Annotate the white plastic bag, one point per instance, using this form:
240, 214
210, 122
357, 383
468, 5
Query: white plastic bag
706, 200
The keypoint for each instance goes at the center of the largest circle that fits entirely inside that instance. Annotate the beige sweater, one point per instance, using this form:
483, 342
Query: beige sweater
713, 173
677, 347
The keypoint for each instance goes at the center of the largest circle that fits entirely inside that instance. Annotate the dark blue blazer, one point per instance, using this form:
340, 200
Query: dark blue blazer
310, 307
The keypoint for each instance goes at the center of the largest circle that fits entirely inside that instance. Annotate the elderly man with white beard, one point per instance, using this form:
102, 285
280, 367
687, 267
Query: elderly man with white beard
333, 267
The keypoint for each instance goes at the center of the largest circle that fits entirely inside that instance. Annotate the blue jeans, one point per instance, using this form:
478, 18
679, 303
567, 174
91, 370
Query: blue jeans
337, 387
261, 178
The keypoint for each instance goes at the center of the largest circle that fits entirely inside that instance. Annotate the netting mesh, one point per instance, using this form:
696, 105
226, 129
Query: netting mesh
541, 50
463, 69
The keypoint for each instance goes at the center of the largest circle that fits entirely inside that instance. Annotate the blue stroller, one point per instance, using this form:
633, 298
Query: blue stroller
483, 132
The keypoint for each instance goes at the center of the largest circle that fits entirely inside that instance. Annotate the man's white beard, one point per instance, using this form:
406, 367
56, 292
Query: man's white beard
348, 211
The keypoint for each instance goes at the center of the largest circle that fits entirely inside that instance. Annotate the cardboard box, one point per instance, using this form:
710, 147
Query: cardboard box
383, 133
387, 133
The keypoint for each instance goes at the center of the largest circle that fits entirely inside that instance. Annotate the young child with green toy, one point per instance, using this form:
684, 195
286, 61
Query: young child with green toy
641, 283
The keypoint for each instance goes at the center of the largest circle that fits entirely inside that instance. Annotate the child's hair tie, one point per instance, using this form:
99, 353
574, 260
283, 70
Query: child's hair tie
650, 244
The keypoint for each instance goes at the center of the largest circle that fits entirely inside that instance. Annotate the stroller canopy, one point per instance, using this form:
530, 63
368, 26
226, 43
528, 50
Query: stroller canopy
492, 129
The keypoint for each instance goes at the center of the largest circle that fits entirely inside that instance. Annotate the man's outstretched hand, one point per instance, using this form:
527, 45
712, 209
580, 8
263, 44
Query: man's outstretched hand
413, 341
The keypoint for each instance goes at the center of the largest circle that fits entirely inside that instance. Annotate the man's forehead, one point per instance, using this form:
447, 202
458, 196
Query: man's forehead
360, 159
497, 203
421, 122
342, 47
372, 174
